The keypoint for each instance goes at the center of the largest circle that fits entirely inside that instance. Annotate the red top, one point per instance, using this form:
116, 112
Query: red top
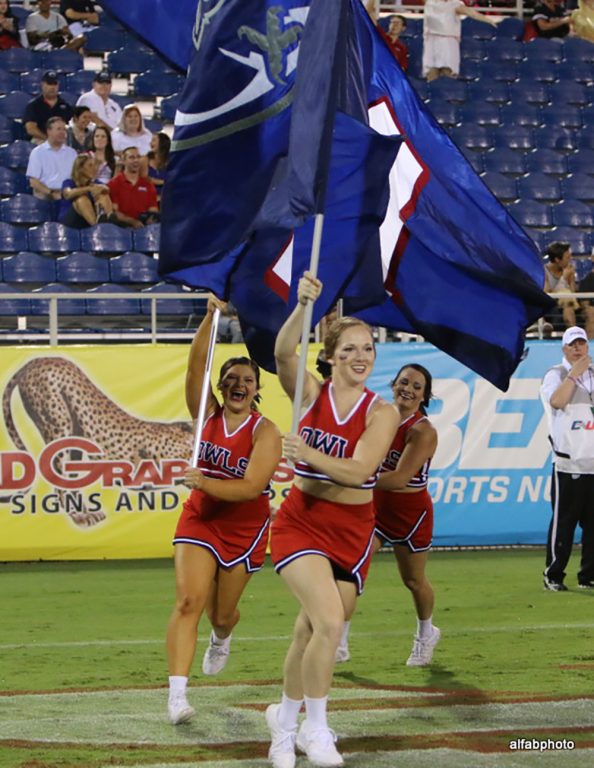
321, 429
398, 48
391, 460
133, 199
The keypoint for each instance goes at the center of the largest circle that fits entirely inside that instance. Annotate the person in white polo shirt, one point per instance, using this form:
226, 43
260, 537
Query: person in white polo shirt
50, 164
105, 112
567, 393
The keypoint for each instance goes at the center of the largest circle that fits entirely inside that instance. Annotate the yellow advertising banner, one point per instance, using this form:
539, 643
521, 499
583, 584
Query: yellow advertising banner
94, 441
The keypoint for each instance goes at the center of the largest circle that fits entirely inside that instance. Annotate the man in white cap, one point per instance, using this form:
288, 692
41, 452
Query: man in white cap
567, 393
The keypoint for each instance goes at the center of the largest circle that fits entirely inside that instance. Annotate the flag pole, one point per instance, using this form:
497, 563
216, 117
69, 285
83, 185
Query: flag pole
306, 328
205, 386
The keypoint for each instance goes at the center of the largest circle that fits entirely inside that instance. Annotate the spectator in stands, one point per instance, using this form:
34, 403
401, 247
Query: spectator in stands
158, 158
134, 196
50, 164
392, 38
99, 147
442, 24
560, 278
85, 203
78, 129
48, 104
9, 28
586, 285
583, 21
48, 30
132, 133
105, 112
80, 15
551, 20
229, 330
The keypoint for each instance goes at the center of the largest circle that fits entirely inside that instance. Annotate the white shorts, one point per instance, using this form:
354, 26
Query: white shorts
440, 51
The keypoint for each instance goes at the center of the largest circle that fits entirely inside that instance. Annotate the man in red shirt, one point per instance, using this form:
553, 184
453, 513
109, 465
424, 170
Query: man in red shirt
392, 37
134, 196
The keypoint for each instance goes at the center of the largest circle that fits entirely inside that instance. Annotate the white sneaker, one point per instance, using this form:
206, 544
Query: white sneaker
318, 745
422, 650
215, 657
179, 710
342, 654
282, 747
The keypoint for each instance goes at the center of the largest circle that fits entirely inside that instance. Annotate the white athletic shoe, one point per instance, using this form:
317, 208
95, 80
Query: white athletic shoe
422, 650
215, 657
342, 654
179, 710
282, 746
318, 745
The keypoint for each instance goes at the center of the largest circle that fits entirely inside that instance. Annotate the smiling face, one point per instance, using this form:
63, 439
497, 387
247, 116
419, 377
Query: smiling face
409, 390
353, 356
3, 7
239, 387
396, 27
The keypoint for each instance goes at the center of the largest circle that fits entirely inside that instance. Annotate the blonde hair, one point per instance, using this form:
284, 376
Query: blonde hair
77, 167
337, 328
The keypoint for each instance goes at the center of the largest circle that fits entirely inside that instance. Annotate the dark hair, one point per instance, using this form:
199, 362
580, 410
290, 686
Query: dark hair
164, 145
398, 16
556, 250
78, 111
427, 393
241, 361
323, 367
109, 153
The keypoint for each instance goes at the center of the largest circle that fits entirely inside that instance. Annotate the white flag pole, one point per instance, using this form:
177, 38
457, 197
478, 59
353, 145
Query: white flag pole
305, 331
205, 386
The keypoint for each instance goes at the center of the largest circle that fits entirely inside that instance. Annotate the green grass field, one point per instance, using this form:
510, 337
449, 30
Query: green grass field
83, 674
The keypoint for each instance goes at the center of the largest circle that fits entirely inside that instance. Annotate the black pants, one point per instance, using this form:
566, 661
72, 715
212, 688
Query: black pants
572, 499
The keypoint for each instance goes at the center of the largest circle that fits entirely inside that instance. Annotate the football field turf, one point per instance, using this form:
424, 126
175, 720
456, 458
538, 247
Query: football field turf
82, 670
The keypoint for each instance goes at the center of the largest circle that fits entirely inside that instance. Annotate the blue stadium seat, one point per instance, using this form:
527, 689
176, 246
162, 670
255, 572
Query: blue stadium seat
121, 99
147, 239
530, 213
62, 61
581, 161
6, 135
31, 82
13, 104
80, 82
476, 29
505, 49
472, 137
509, 27
65, 306
541, 51
556, 138
516, 113
573, 213
498, 71
503, 187
9, 81
569, 93
70, 97
444, 112
539, 238
526, 91
579, 186
26, 267
478, 114
588, 118
492, 93
580, 241
546, 161
583, 266
167, 306
475, 50
152, 84
26, 209
106, 238
82, 267
584, 141
53, 237
12, 239
446, 89
520, 137
505, 161
537, 72
133, 267
169, 105
575, 72
13, 307
539, 186
103, 40
12, 183
152, 125
470, 69
474, 158
577, 49
21, 60
125, 61
566, 116
129, 307
20, 13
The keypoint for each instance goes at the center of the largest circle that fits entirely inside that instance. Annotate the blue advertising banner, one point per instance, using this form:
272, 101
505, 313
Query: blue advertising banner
490, 478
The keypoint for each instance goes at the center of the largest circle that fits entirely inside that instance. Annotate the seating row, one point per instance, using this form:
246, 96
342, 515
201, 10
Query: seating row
79, 267
52, 237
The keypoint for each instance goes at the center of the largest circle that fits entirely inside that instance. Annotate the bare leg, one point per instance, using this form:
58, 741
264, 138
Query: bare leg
412, 571
85, 208
447, 72
222, 608
588, 311
432, 74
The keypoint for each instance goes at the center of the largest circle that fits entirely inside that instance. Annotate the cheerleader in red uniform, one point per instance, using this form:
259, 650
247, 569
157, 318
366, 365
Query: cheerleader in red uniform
221, 536
404, 509
322, 535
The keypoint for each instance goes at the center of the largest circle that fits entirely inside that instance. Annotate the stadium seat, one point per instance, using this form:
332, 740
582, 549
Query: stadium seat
505, 50
474, 158
65, 306
509, 28
569, 93
128, 307
583, 266
575, 72
505, 161
31, 82
27, 267
6, 124
472, 137
503, 187
516, 113
526, 91
70, 97
492, 93
573, 213
133, 267
470, 70
13, 104
530, 213
581, 161
9, 81
537, 72
20, 60
446, 89
80, 82
520, 137
106, 238
104, 40
124, 62
52, 237
444, 112
476, 29
147, 239
62, 61
13, 307
539, 238
588, 118
82, 267
579, 186
580, 241
12, 239
566, 116
478, 114
169, 105
577, 49
547, 161
152, 125
541, 51
151, 84
12, 183
556, 138
585, 141
26, 209
539, 186
167, 306
474, 50
498, 71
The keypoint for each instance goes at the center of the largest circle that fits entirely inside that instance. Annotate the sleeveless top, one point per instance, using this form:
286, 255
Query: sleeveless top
321, 428
225, 455
389, 464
